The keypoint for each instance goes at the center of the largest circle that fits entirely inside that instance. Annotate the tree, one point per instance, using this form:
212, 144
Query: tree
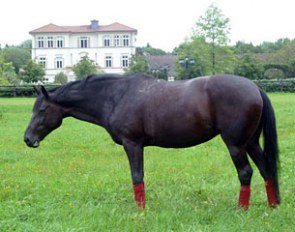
214, 27
249, 67
138, 64
61, 78
17, 56
32, 72
7, 73
148, 49
84, 67
27, 44
196, 49
242, 48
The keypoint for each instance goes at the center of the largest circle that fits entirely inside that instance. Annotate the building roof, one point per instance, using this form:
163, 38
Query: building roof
53, 28
163, 62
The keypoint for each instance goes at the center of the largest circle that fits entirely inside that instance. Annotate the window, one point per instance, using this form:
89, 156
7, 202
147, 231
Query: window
107, 41
84, 42
59, 62
40, 42
124, 61
60, 42
116, 40
42, 61
108, 61
125, 40
50, 42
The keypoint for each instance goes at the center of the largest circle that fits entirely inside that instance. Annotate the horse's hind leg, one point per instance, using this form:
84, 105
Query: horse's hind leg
257, 155
244, 170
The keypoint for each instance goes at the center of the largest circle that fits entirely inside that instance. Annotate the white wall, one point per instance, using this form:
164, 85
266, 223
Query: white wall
72, 54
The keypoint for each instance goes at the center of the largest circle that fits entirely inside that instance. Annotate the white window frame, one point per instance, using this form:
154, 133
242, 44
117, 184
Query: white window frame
40, 42
84, 42
108, 61
42, 60
107, 41
124, 61
59, 62
50, 42
60, 42
126, 41
117, 41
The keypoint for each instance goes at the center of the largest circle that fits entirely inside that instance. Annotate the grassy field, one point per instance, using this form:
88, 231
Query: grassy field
79, 180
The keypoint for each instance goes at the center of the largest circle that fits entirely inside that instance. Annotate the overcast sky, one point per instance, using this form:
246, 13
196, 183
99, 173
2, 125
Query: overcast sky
163, 24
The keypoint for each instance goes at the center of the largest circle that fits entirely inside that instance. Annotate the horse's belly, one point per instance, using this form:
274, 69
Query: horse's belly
180, 137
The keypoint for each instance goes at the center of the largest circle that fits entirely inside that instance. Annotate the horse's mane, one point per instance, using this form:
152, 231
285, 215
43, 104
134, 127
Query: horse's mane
91, 80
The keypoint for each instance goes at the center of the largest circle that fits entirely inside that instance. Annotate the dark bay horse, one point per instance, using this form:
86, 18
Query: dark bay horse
138, 111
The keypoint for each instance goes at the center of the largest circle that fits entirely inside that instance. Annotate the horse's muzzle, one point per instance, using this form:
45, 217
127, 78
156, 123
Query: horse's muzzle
30, 143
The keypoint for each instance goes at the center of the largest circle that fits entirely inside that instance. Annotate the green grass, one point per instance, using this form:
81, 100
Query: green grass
79, 180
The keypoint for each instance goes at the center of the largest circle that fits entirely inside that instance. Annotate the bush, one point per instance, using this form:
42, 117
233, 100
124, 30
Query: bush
61, 78
277, 85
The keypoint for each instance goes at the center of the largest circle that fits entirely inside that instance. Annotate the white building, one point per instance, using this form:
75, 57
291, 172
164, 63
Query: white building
59, 48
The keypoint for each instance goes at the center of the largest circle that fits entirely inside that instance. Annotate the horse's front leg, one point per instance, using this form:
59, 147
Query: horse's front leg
135, 155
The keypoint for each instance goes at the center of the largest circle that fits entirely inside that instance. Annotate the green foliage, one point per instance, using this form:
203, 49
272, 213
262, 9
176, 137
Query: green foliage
81, 181
84, 67
17, 56
7, 73
242, 48
277, 85
250, 67
160, 74
214, 27
152, 51
27, 44
138, 64
270, 47
198, 50
32, 72
61, 78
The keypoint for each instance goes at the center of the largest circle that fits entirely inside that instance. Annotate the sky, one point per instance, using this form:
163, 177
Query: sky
163, 24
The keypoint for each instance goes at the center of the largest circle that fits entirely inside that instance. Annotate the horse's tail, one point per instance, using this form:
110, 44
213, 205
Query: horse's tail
271, 151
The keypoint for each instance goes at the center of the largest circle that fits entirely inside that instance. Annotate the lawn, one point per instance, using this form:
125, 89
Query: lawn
79, 180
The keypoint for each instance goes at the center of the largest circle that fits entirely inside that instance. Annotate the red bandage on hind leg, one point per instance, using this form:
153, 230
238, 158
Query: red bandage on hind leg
139, 195
244, 197
271, 193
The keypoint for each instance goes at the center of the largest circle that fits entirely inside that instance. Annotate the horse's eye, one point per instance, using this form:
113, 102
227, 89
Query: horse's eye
43, 109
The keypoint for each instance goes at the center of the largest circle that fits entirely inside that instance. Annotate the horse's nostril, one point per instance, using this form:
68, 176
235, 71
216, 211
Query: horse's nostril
27, 140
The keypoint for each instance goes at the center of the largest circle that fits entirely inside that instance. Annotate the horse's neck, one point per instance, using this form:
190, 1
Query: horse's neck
84, 106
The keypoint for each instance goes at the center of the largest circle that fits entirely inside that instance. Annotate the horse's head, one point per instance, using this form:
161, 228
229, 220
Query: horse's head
47, 116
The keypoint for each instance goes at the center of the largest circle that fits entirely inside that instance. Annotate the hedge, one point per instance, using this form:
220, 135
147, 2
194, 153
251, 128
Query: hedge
274, 85
277, 85
19, 90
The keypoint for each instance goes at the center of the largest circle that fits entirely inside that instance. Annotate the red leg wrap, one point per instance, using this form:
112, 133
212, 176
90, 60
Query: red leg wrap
139, 195
244, 197
271, 193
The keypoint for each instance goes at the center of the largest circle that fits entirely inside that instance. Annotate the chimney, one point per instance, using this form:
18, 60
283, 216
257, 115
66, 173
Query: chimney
94, 24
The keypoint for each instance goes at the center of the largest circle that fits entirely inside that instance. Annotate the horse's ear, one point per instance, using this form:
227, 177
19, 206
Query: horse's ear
36, 89
45, 93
